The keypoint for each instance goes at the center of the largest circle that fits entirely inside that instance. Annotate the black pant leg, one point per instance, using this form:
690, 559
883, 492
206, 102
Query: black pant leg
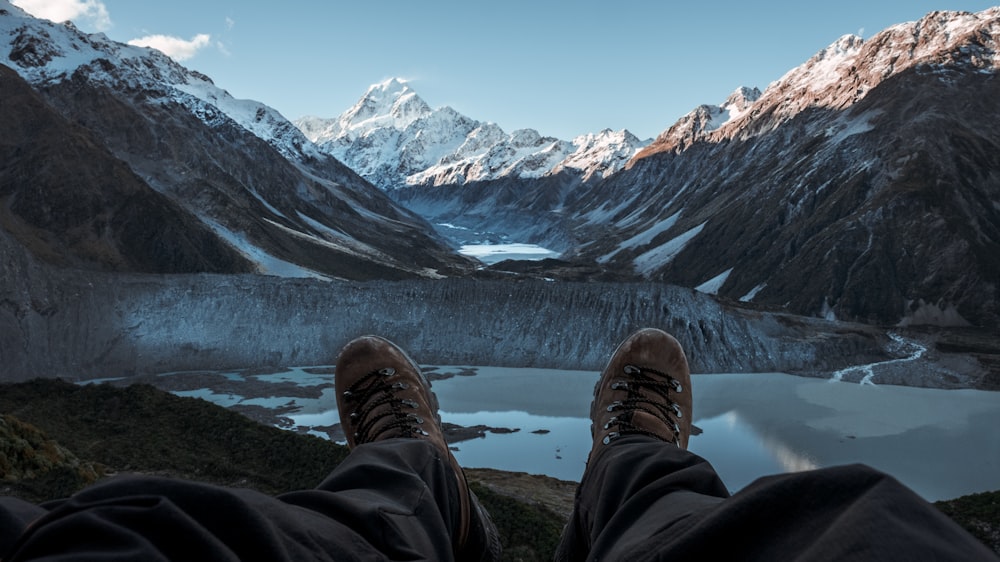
635, 487
648, 500
398, 494
15, 516
384, 502
851, 512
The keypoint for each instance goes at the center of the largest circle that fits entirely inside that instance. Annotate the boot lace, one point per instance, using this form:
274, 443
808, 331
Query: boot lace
370, 393
656, 402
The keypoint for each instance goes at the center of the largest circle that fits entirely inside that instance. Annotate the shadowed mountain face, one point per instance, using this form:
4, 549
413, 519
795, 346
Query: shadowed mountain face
885, 211
235, 169
316, 215
72, 203
863, 184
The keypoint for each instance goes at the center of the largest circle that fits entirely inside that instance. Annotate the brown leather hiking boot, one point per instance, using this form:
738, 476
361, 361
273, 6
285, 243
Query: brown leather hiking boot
645, 389
381, 394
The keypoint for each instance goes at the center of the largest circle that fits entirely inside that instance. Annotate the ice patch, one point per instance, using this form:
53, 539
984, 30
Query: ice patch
268, 264
644, 237
451, 226
856, 126
713, 285
753, 293
663, 254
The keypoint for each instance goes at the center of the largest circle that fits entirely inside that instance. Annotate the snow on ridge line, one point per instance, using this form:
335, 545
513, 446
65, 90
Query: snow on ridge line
64, 49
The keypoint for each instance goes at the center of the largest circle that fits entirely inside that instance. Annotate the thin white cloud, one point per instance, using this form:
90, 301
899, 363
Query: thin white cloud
84, 13
230, 22
174, 47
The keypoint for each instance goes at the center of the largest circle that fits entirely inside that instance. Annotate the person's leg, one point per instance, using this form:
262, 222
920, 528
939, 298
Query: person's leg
145, 518
15, 516
643, 497
394, 499
641, 421
849, 512
399, 495
384, 400
637, 487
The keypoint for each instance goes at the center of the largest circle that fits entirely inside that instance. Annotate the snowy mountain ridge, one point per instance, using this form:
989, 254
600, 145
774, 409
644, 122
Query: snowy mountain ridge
844, 72
393, 138
238, 166
47, 52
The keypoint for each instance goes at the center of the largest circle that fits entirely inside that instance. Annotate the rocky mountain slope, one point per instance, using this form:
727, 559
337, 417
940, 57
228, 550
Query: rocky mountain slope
861, 185
236, 168
72, 203
864, 184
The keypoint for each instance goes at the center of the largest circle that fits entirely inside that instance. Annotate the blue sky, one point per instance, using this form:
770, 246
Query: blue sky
564, 68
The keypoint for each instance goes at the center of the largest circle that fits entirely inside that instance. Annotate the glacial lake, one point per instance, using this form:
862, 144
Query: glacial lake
941, 443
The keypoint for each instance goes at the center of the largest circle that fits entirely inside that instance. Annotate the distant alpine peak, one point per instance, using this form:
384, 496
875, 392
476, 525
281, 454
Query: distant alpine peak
393, 138
391, 103
388, 86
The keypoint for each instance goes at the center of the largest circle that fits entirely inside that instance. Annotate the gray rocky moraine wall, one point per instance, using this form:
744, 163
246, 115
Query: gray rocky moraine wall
81, 325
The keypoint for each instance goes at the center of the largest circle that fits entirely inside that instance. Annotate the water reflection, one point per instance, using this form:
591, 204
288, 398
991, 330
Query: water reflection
943, 444
940, 443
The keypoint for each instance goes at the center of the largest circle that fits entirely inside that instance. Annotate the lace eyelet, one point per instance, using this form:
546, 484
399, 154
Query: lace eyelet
611, 437
614, 405
387, 371
632, 370
619, 385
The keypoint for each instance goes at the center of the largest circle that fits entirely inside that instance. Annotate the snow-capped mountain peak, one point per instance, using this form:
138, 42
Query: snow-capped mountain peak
389, 104
598, 154
394, 139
